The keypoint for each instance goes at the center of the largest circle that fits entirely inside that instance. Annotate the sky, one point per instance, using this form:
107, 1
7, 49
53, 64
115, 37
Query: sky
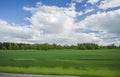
60, 21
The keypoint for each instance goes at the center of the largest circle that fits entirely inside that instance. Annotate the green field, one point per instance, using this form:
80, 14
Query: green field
101, 63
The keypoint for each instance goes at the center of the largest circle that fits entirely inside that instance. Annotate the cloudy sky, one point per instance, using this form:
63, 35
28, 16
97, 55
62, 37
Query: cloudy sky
60, 21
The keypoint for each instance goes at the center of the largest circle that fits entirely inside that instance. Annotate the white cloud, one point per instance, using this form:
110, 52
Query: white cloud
88, 10
54, 24
52, 19
109, 4
107, 24
93, 1
58, 25
13, 33
79, 13
108, 21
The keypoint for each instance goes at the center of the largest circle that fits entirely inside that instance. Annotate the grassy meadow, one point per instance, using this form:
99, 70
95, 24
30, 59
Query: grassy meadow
98, 63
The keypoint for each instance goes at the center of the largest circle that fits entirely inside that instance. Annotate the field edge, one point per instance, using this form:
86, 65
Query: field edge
61, 71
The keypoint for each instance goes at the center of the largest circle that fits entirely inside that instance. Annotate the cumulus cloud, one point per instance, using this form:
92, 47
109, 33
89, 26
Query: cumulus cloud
46, 20
13, 33
106, 23
57, 25
53, 24
105, 4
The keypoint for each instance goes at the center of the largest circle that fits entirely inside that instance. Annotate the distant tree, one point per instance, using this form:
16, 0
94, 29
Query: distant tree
111, 46
46, 46
81, 46
1, 46
87, 46
73, 47
54, 46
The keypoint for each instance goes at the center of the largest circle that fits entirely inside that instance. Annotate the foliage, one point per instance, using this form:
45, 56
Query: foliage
46, 46
88, 46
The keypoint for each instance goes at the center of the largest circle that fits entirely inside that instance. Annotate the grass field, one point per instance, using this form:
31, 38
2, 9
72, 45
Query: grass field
101, 63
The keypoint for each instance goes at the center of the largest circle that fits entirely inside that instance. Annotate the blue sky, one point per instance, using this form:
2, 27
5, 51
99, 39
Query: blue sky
41, 21
11, 10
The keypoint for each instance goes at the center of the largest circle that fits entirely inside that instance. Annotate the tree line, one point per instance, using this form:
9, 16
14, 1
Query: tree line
46, 46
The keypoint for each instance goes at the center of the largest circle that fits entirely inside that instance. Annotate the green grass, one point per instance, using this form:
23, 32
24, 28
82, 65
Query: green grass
103, 63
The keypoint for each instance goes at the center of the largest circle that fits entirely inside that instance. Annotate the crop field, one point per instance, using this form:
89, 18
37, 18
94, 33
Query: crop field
98, 63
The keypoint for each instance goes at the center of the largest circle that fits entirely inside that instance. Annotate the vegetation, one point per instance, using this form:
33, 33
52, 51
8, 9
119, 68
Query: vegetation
45, 46
101, 63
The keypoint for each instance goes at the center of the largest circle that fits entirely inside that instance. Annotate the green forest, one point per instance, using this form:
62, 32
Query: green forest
46, 46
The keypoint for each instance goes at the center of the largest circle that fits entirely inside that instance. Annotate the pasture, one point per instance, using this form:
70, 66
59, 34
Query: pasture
98, 63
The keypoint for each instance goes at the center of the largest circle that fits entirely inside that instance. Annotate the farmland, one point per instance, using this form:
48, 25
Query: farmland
101, 63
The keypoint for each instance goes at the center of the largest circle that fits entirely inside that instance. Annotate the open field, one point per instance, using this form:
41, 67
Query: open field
101, 63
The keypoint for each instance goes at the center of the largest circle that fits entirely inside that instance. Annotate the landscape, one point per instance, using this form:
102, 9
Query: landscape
59, 38
86, 59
